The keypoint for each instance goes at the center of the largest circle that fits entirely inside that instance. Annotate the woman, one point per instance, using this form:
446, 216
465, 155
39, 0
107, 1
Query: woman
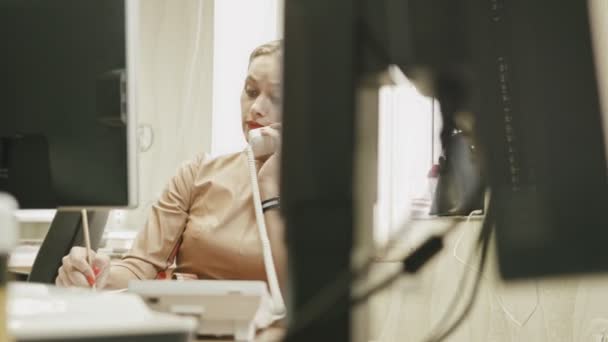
204, 222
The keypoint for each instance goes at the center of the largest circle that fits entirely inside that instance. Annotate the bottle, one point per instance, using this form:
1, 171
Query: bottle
8, 240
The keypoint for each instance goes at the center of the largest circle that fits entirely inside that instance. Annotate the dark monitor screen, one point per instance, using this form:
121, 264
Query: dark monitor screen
66, 119
541, 126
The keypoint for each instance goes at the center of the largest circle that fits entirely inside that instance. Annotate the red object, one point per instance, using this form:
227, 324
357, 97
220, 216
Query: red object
254, 125
163, 274
434, 171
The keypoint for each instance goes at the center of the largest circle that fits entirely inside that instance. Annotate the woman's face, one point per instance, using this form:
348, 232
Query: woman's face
261, 96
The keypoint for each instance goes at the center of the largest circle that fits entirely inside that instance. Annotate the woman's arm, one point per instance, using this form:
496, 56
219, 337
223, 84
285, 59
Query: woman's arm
119, 278
156, 244
269, 188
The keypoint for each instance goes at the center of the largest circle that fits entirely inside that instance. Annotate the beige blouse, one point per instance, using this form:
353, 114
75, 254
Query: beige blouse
205, 222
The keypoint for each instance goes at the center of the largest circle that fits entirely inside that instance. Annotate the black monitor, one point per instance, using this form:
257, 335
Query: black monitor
67, 119
544, 162
67, 132
541, 127
525, 72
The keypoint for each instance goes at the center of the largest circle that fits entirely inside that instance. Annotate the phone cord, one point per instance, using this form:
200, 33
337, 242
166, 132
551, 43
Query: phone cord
278, 307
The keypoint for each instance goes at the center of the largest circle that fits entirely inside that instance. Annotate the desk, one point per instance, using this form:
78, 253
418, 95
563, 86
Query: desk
548, 310
22, 258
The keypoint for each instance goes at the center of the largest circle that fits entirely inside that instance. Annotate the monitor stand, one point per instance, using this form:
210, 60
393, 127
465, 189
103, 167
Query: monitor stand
65, 232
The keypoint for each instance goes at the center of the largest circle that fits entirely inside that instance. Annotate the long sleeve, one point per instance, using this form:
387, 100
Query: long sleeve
155, 244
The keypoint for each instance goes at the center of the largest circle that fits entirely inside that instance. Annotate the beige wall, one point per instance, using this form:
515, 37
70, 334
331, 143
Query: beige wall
174, 91
568, 309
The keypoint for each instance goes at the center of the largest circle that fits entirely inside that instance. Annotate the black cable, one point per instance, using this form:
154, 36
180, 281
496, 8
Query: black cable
377, 288
435, 245
411, 265
454, 302
465, 313
323, 304
483, 242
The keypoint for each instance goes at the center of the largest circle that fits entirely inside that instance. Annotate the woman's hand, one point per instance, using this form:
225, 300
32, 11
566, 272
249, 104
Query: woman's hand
269, 173
75, 270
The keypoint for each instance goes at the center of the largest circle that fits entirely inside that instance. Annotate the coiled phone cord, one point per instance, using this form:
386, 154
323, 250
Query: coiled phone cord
278, 304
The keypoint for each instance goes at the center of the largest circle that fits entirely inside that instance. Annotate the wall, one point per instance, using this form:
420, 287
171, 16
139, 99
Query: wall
564, 309
174, 95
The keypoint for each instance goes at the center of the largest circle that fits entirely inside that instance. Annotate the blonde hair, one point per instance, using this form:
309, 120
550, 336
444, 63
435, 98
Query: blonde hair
270, 48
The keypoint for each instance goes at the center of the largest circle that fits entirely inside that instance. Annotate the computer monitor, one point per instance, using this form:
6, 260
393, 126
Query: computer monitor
530, 80
67, 121
541, 127
553, 221
67, 115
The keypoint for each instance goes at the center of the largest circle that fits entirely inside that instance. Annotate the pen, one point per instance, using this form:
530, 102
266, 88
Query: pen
87, 239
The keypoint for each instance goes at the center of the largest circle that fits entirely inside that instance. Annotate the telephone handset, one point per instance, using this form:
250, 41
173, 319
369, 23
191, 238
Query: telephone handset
261, 146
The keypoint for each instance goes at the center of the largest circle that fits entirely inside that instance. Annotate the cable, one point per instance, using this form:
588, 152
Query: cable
410, 265
322, 305
434, 244
483, 242
461, 289
457, 244
472, 299
278, 304
508, 313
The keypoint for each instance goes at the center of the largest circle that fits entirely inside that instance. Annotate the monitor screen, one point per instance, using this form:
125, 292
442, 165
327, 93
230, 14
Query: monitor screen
541, 127
67, 125
528, 72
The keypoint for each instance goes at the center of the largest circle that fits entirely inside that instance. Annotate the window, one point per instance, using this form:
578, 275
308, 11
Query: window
409, 125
